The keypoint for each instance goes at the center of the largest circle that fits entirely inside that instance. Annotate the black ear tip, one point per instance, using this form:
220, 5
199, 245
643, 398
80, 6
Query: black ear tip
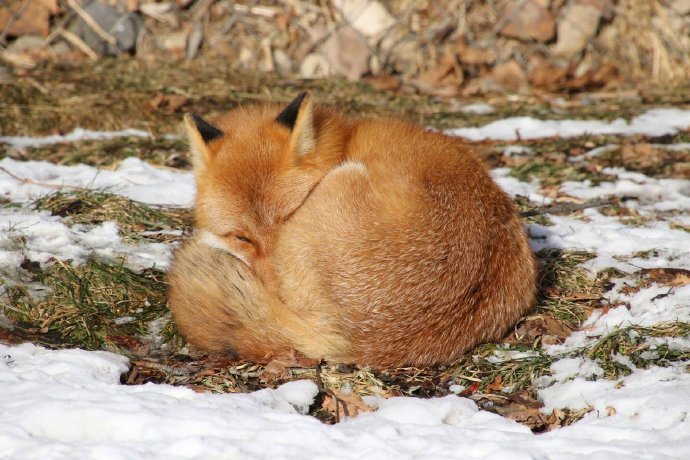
300, 97
288, 116
207, 131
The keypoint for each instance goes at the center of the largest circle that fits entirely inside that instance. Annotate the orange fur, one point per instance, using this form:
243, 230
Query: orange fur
368, 241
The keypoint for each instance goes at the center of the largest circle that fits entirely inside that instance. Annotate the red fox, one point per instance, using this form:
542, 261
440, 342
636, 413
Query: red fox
366, 241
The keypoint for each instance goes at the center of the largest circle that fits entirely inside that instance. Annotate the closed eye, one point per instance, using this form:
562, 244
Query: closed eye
244, 239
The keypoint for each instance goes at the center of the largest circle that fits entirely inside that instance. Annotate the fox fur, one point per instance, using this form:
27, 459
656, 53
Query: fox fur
369, 241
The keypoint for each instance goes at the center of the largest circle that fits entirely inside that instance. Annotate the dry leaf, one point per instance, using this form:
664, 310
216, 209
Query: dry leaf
34, 20
278, 368
170, 102
383, 82
673, 277
345, 405
496, 385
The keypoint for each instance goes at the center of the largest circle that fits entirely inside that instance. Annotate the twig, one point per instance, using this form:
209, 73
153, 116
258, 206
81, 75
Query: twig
57, 30
91, 22
42, 184
570, 207
164, 368
322, 389
265, 11
133, 376
79, 43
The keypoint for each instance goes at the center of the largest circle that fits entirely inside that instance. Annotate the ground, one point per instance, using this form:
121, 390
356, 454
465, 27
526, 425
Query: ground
88, 271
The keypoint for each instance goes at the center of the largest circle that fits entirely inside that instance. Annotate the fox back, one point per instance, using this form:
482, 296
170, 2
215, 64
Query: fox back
368, 241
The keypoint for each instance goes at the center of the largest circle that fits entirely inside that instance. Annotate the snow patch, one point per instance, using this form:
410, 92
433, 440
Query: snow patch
22, 181
79, 134
655, 122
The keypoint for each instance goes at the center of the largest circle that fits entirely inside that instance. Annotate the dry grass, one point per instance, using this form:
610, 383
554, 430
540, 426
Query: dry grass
136, 221
94, 305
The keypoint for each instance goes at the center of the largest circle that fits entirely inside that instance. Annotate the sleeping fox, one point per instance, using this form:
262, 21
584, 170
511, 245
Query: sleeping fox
366, 241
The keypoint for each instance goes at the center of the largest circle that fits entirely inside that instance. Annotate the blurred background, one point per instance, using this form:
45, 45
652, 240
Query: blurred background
442, 48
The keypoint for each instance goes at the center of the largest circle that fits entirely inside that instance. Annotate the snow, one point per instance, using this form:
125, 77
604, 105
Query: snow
629, 396
640, 191
70, 404
44, 237
655, 122
614, 241
133, 178
478, 108
515, 187
79, 134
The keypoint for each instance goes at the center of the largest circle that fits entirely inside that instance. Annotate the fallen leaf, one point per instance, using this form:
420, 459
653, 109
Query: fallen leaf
170, 102
580, 296
527, 416
382, 82
34, 20
278, 368
473, 388
496, 385
673, 277
344, 405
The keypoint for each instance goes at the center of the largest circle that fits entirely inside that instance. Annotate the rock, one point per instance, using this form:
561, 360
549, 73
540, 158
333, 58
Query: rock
681, 7
368, 17
26, 43
480, 86
509, 75
60, 47
194, 41
542, 74
34, 20
166, 12
442, 80
475, 56
314, 66
527, 20
577, 26
405, 58
347, 53
283, 64
26, 51
175, 42
601, 5
124, 28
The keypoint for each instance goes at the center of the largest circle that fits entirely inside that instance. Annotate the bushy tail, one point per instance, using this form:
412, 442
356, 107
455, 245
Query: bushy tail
219, 305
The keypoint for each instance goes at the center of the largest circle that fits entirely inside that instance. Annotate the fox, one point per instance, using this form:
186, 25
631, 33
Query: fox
360, 240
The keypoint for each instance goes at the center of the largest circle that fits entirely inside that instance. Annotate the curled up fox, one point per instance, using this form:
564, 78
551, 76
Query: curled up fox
355, 240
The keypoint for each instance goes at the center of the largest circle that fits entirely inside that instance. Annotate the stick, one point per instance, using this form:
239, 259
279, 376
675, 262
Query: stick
569, 207
323, 390
42, 184
79, 43
163, 368
92, 23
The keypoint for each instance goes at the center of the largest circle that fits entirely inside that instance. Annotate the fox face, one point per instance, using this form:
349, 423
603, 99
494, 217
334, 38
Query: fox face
254, 167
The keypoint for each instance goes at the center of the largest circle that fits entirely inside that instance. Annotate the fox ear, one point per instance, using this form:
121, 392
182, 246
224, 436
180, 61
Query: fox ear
298, 117
200, 133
